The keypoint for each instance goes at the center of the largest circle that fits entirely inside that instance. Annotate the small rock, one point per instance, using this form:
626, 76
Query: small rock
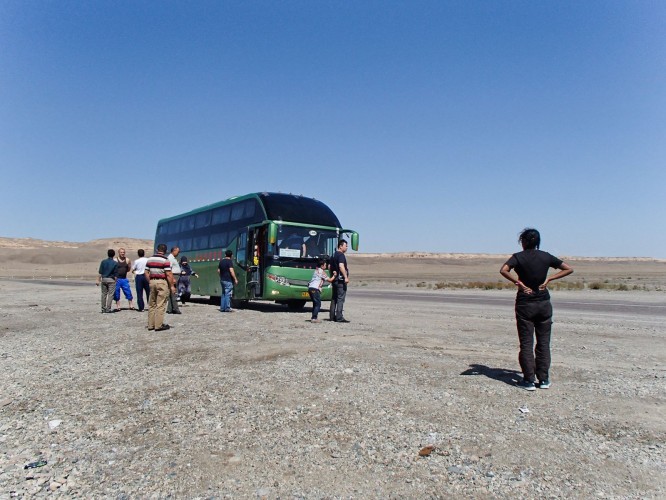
54, 423
263, 492
425, 451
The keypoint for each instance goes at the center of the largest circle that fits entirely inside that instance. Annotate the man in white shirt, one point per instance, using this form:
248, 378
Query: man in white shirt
172, 306
140, 281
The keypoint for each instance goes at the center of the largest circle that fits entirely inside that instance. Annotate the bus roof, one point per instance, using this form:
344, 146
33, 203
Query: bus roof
280, 206
295, 208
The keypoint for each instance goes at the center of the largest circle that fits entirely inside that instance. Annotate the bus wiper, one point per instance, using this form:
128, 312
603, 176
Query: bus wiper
280, 260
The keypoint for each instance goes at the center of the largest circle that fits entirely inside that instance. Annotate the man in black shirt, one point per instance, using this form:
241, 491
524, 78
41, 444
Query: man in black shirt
227, 280
108, 272
534, 311
339, 266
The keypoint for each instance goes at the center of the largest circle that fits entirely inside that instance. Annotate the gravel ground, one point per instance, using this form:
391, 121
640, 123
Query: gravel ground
262, 403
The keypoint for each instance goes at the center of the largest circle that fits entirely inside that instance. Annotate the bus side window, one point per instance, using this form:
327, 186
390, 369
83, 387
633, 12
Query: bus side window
221, 215
186, 244
174, 226
202, 220
187, 223
200, 243
237, 211
241, 250
218, 240
250, 209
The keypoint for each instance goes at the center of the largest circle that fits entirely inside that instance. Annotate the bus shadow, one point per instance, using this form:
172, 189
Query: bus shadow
272, 307
501, 374
258, 305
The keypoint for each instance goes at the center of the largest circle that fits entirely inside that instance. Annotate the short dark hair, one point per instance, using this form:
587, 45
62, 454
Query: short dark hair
342, 242
530, 238
174, 248
228, 253
141, 252
321, 262
161, 248
110, 252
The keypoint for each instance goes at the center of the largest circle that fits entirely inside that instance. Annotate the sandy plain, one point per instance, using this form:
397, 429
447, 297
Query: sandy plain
262, 403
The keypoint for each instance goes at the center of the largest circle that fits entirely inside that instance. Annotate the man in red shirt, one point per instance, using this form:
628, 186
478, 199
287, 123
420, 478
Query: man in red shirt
159, 275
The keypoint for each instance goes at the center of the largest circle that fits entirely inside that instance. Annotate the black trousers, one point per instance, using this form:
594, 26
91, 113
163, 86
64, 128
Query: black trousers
534, 319
338, 300
142, 286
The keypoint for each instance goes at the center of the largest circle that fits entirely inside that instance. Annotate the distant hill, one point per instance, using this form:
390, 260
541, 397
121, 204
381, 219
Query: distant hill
26, 257
115, 243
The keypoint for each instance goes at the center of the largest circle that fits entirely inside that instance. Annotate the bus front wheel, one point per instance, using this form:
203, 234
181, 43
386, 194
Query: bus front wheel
239, 303
296, 305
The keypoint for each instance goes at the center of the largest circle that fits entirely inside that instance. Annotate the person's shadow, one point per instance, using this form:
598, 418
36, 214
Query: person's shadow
502, 374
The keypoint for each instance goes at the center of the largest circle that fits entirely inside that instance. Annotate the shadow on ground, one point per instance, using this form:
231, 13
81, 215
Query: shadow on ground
257, 305
502, 374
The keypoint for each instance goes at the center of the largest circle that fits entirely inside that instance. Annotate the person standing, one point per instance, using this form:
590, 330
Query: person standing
122, 283
341, 269
227, 280
140, 281
161, 282
108, 270
314, 288
172, 306
184, 285
534, 311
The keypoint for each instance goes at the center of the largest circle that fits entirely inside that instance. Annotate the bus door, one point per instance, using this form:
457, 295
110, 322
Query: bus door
241, 266
255, 251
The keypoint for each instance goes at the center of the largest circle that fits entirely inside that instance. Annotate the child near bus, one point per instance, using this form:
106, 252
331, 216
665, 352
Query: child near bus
314, 288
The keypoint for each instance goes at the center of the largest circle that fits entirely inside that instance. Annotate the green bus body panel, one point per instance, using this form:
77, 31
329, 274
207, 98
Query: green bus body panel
208, 283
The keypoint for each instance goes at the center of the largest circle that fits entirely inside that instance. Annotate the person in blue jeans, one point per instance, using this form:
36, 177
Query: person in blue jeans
227, 280
122, 283
314, 288
140, 281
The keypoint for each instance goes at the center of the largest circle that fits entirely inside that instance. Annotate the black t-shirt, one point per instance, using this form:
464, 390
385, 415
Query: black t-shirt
337, 259
123, 268
532, 269
225, 265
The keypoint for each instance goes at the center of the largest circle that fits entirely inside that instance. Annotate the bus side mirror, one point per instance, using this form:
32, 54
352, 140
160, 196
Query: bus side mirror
354, 241
272, 233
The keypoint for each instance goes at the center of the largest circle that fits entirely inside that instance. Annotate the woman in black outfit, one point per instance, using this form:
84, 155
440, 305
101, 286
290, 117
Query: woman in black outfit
534, 311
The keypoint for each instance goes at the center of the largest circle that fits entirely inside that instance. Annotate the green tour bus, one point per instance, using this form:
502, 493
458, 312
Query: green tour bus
276, 240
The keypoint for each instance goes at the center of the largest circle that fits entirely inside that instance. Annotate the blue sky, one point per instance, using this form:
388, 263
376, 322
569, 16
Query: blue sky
443, 126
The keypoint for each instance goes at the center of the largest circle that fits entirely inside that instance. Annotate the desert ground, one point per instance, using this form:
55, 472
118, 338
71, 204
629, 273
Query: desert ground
415, 398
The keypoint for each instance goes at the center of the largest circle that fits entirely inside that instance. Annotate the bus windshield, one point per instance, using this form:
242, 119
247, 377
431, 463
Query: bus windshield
305, 242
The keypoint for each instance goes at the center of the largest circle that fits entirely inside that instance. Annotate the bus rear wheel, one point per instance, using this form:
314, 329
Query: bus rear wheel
239, 303
296, 305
